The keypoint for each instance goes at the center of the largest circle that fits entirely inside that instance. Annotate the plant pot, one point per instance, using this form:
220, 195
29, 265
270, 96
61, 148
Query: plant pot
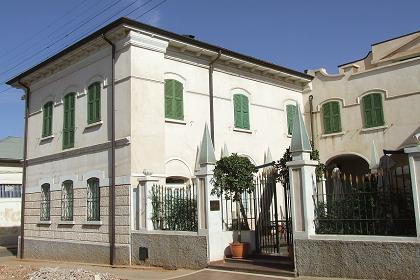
239, 250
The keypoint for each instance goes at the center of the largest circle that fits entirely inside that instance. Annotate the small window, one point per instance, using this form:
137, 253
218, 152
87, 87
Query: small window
291, 111
47, 119
45, 202
93, 200
94, 103
67, 201
174, 107
68, 121
332, 118
373, 113
241, 108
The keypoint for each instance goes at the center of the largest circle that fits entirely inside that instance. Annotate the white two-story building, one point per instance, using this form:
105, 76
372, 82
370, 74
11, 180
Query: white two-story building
127, 102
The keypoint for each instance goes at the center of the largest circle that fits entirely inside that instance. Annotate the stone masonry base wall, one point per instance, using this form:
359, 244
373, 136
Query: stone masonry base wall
74, 251
358, 259
80, 241
170, 250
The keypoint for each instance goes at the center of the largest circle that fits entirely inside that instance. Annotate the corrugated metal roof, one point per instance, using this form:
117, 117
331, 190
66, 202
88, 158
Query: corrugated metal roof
11, 148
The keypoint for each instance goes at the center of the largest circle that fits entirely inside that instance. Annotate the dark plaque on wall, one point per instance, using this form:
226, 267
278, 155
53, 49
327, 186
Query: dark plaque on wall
214, 205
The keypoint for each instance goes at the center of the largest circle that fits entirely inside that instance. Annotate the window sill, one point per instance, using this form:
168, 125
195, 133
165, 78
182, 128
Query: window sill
44, 223
66, 223
175, 121
242, 130
333, 134
92, 223
46, 138
382, 127
98, 123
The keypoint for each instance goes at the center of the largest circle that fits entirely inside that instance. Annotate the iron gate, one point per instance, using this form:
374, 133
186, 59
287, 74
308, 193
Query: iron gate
273, 229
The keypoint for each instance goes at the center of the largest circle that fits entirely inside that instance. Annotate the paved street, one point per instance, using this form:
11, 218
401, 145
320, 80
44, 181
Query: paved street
134, 273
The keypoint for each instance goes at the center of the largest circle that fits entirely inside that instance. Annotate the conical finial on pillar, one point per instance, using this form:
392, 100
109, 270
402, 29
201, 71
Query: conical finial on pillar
206, 150
374, 159
300, 140
224, 151
268, 158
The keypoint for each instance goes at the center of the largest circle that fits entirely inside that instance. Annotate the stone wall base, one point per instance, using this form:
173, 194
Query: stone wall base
358, 259
171, 250
74, 251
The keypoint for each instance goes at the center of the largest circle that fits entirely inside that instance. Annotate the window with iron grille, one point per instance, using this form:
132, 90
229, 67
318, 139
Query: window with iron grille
45, 202
67, 201
93, 199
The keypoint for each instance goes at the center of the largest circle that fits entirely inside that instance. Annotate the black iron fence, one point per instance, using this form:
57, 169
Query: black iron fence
372, 204
174, 208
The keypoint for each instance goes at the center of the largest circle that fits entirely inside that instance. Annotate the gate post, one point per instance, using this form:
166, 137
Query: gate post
414, 162
209, 215
302, 181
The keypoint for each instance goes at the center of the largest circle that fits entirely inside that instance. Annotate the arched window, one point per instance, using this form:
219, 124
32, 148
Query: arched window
241, 111
45, 202
291, 111
47, 119
94, 103
373, 114
68, 120
331, 116
67, 201
174, 103
93, 200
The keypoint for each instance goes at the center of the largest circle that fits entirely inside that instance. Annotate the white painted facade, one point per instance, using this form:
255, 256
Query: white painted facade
146, 142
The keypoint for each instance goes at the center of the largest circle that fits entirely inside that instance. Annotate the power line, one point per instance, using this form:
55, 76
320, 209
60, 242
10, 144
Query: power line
35, 35
61, 38
65, 36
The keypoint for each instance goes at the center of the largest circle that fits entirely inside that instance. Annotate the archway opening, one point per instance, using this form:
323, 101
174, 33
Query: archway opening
348, 164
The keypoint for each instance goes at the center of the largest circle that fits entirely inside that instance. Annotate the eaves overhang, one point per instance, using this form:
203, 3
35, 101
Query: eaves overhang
175, 39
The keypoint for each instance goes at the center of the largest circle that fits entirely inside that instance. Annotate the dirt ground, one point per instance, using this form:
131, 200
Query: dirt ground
13, 268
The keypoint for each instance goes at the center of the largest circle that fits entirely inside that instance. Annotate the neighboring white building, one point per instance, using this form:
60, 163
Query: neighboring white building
167, 87
11, 155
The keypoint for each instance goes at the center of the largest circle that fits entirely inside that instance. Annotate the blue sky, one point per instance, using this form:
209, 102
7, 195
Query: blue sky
296, 34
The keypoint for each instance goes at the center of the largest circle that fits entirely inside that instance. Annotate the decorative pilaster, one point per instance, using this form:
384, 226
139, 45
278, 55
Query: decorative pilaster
146, 182
414, 162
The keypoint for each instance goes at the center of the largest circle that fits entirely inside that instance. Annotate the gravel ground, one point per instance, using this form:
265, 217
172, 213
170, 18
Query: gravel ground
26, 272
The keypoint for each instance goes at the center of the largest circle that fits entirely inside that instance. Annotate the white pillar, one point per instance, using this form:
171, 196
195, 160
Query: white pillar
302, 189
414, 162
147, 182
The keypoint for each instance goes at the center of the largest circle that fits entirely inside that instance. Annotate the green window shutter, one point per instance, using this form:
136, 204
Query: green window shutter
94, 103
335, 117
47, 119
332, 117
245, 112
290, 111
327, 118
378, 110
368, 112
169, 98
237, 104
68, 121
178, 101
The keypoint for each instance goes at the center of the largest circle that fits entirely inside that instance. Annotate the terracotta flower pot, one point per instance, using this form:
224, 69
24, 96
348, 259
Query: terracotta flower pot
238, 250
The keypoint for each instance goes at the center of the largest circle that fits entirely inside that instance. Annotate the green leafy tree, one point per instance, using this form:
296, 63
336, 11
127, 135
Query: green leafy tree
233, 176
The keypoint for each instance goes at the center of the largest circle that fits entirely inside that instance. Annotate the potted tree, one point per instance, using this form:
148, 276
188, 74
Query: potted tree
233, 176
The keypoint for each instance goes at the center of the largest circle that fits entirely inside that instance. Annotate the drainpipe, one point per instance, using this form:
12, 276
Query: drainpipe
112, 177
211, 68
311, 110
25, 156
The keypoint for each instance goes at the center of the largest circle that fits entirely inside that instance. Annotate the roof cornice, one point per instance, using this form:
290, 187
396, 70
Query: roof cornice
160, 32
